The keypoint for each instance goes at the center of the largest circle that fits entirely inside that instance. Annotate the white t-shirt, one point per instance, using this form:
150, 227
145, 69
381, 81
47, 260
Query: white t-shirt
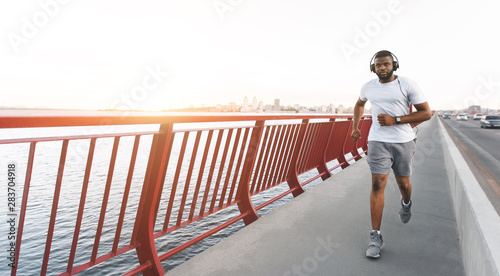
392, 99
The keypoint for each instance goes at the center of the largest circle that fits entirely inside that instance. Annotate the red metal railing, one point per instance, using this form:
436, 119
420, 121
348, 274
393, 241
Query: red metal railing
190, 175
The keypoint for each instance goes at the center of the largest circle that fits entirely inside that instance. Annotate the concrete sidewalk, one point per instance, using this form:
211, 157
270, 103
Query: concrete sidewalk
325, 231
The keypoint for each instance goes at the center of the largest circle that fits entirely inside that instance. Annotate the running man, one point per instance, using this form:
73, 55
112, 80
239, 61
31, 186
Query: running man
391, 140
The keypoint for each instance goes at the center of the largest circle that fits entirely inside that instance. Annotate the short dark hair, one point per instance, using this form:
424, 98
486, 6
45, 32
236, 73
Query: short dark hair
384, 53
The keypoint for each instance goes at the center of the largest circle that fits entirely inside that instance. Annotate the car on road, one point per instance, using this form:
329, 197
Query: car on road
490, 121
446, 116
462, 117
477, 116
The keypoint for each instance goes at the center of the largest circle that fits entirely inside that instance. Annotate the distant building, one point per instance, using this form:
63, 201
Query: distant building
277, 106
245, 102
260, 108
255, 106
245, 107
341, 109
232, 107
473, 109
331, 109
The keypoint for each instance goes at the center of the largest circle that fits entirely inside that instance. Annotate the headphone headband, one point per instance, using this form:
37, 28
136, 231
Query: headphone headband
395, 62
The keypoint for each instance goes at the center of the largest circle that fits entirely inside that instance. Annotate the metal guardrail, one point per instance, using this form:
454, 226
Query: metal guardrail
241, 162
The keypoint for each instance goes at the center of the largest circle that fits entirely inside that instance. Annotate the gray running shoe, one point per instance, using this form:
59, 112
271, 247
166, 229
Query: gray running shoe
376, 244
405, 212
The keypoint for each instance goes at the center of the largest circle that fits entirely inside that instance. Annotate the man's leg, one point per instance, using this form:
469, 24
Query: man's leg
379, 182
377, 207
403, 155
404, 187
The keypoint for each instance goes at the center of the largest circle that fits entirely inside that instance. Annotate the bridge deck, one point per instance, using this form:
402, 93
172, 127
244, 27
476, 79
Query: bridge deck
325, 231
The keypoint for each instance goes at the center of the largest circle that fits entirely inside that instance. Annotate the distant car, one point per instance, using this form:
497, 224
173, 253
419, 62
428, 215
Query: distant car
490, 121
446, 116
477, 116
462, 117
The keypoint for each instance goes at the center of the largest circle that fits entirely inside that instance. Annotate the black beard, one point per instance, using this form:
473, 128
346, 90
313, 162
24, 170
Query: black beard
386, 78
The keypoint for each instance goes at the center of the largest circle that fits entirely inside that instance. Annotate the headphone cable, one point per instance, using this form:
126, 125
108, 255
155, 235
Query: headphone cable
407, 99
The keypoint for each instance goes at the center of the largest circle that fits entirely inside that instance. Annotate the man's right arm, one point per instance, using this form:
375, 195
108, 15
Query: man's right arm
359, 109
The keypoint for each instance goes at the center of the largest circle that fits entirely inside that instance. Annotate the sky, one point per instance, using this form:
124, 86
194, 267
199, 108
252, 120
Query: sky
156, 55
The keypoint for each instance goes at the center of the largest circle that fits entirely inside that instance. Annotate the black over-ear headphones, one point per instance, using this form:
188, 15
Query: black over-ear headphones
395, 62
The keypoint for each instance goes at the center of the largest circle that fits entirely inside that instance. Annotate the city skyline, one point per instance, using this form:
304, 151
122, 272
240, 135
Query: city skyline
258, 106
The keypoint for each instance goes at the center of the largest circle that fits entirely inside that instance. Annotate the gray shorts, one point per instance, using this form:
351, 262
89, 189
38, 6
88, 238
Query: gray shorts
384, 156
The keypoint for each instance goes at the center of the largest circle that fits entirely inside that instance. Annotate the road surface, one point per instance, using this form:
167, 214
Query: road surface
481, 149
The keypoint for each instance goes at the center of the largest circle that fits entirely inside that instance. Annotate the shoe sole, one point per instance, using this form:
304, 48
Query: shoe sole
375, 256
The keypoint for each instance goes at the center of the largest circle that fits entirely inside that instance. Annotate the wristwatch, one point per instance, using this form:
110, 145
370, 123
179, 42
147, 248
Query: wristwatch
398, 120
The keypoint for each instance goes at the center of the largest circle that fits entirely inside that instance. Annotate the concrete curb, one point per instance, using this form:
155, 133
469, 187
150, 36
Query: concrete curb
477, 221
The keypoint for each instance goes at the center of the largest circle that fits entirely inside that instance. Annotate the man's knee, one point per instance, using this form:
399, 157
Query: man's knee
379, 182
377, 187
403, 182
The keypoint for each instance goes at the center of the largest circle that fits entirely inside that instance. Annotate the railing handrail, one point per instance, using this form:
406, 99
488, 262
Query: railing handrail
56, 118
259, 157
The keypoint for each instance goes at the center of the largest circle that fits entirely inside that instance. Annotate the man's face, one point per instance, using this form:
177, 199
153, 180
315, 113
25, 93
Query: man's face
383, 68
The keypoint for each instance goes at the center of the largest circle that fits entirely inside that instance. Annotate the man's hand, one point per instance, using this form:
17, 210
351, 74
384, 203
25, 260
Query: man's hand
355, 135
386, 120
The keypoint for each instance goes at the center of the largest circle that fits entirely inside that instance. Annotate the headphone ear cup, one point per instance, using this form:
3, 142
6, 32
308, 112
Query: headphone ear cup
372, 68
395, 65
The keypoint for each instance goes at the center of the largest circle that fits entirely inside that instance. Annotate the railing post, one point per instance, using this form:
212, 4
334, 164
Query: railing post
323, 168
243, 194
293, 177
144, 225
341, 158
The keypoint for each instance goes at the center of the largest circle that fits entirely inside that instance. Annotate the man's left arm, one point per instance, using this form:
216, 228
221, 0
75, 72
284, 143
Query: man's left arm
423, 113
